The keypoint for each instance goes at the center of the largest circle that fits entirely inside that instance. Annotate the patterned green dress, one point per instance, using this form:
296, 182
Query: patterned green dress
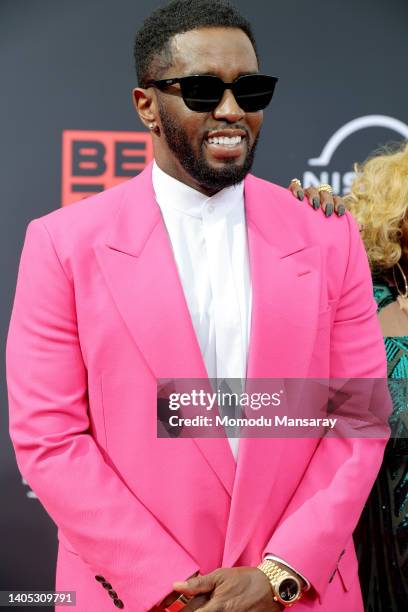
381, 536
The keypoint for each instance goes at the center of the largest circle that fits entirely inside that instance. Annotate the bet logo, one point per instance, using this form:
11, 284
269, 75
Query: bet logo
95, 160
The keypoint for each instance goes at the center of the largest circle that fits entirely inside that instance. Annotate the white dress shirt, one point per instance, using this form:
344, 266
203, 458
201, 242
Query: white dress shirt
209, 241
208, 238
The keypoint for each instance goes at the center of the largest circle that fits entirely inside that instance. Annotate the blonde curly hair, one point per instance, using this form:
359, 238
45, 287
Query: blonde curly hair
378, 200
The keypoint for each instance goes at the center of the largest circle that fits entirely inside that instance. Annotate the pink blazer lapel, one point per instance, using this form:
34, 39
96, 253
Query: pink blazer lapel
138, 266
285, 274
286, 280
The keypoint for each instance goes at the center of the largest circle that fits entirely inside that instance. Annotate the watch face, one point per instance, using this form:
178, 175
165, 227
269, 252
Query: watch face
288, 589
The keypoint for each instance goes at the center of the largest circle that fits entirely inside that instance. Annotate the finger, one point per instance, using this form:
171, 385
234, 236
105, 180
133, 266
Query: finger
199, 584
296, 189
313, 196
197, 602
326, 202
339, 206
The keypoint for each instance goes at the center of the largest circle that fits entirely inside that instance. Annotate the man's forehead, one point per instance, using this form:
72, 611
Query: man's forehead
213, 51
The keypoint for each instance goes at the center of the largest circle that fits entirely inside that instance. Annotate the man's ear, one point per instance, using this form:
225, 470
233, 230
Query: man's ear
144, 102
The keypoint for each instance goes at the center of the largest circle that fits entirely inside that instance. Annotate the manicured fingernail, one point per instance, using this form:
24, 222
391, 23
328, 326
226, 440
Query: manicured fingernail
316, 203
341, 210
329, 210
180, 585
300, 195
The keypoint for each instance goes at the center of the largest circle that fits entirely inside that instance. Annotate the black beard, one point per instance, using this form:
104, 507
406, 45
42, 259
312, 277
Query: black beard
196, 166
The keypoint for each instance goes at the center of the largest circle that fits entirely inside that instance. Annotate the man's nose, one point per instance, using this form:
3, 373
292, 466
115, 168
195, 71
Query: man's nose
228, 108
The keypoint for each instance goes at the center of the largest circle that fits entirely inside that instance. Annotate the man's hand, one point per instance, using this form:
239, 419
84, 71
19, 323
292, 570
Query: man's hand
324, 200
198, 602
240, 589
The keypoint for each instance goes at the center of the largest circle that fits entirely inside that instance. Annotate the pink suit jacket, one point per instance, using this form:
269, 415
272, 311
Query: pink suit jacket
99, 314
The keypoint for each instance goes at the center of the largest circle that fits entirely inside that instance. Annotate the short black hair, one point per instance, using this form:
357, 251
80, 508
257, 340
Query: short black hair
152, 51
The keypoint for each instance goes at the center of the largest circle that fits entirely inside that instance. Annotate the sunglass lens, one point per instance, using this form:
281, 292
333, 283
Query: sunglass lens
254, 92
201, 93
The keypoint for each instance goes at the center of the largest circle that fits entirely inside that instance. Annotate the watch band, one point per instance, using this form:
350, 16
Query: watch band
276, 575
178, 604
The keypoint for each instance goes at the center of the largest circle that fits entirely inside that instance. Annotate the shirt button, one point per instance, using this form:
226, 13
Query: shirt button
118, 603
113, 594
211, 208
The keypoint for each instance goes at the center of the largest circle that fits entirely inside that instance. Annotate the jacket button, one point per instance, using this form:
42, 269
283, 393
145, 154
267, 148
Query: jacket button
100, 578
106, 585
113, 594
118, 603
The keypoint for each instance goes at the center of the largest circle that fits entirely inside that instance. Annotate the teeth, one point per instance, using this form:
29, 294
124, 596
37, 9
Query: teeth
225, 140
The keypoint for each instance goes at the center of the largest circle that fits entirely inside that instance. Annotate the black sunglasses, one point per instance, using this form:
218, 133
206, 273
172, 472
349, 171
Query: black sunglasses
202, 93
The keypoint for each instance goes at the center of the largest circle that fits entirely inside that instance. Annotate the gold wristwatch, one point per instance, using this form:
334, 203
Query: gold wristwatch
286, 588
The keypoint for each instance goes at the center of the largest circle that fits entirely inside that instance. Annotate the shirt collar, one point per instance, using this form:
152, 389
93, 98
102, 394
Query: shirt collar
172, 193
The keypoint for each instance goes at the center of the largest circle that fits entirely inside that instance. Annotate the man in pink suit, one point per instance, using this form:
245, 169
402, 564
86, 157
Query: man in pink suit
158, 278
